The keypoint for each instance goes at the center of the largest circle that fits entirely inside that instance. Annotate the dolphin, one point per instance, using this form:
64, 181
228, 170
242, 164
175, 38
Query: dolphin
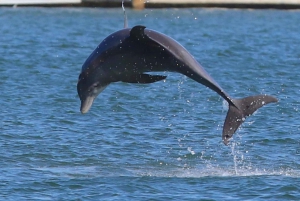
128, 54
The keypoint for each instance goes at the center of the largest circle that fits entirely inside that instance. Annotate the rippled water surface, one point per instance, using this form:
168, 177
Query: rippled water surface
160, 141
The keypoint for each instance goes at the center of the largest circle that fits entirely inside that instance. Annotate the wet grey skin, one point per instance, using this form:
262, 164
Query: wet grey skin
127, 55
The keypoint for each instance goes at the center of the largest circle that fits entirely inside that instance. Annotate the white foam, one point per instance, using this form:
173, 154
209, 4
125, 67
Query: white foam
211, 171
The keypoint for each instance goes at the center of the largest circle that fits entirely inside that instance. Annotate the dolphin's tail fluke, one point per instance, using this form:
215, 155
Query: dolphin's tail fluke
240, 110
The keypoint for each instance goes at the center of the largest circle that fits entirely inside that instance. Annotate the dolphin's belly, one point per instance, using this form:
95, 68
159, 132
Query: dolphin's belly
134, 63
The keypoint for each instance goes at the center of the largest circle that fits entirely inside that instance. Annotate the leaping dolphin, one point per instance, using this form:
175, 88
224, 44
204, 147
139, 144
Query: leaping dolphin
128, 54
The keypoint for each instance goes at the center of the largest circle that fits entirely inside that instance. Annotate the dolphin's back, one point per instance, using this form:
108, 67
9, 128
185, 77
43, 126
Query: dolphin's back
108, 43
185, 63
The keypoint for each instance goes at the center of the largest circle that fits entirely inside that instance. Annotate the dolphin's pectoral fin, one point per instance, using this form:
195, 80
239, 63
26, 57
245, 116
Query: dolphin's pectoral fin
138, 33
143, 78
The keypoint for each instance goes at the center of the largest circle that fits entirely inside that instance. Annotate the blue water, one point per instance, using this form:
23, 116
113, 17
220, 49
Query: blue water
160, 141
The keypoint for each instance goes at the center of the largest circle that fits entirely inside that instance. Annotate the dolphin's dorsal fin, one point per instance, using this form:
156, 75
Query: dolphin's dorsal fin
138, 33
125, 16
143, 78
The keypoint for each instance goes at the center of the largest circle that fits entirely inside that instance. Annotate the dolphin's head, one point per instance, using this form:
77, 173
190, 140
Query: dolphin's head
88, 89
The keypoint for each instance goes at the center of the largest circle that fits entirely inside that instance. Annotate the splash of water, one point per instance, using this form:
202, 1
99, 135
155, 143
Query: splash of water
125, 15
234, 157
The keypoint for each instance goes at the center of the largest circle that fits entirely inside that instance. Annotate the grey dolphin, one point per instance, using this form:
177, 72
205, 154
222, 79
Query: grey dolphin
128, 54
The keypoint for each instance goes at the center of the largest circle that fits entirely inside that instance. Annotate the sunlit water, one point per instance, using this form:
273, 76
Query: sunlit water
160, 141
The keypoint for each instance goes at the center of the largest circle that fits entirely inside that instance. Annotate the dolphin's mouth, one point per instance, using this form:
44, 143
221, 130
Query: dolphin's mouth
86, 104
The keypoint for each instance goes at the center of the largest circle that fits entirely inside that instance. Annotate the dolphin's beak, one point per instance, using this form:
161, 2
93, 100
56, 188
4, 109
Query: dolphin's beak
86, 104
